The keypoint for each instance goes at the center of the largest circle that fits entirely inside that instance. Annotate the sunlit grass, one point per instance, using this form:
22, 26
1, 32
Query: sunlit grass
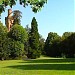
42, 66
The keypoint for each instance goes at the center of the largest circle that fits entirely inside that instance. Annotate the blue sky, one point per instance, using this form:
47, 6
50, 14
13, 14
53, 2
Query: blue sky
56, 16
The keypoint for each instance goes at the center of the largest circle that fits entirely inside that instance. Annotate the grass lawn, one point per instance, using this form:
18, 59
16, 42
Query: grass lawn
42, 66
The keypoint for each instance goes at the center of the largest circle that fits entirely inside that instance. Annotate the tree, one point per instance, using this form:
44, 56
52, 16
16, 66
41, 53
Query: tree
14, 48
33, 51
64, 43
36, 5
71, 42
18, 33
52, 45
17, 16
41, 44
3, 34
28, 29
17, 37
67, 45
26, 44
66, 34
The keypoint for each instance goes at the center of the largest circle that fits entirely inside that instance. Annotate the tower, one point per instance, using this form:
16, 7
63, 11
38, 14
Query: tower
9, 20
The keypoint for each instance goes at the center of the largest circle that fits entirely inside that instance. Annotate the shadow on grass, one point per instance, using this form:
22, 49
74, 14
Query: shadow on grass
46, 64
44, 67
68, 60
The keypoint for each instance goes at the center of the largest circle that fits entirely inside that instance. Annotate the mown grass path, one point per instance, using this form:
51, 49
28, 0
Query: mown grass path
43, 66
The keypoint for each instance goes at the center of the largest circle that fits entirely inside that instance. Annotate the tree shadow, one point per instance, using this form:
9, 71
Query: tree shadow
67, 60
44, 67
46, 64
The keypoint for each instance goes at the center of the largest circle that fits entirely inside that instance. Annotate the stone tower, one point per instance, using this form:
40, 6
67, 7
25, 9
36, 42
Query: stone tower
9, 19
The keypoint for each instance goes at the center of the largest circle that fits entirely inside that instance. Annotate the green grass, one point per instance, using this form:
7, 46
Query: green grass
42, 66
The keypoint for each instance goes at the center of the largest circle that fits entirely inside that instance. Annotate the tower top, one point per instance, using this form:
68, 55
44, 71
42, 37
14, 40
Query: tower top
9, 19
9, 11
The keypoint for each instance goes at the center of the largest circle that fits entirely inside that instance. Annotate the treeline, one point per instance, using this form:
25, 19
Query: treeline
12, 43
56, 46
21, 43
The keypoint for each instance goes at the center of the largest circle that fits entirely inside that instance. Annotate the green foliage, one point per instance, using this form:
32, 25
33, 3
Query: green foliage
41, 44
33, 51
56, 46
3, 35
11, 43
52, 45
68, 46
36, 5
26, 44
3, 29
18, 37
66, 34
14, 48
18, 33
17, 16
28, 29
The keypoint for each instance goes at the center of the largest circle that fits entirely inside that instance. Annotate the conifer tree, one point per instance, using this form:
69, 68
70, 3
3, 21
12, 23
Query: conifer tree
33, 51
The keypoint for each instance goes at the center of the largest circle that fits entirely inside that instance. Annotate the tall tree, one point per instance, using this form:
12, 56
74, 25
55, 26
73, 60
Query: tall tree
52, 45
17, 37
33, 51
17, 16
3, 34
67, 44
26, 44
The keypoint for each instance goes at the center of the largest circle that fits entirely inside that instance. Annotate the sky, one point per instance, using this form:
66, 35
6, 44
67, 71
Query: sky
56, 16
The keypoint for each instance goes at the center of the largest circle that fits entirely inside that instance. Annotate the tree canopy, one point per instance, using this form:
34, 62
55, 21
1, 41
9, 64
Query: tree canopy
18, 33
36, 5
3, 34
17, 15
52, 44
33, 51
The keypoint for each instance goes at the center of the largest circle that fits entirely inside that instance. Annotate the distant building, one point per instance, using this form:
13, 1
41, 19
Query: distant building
9, 20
